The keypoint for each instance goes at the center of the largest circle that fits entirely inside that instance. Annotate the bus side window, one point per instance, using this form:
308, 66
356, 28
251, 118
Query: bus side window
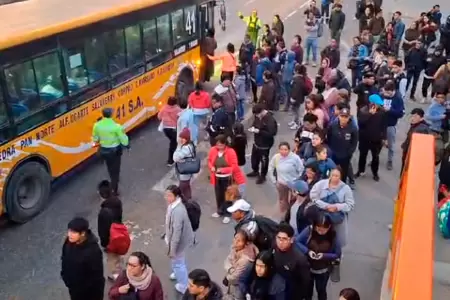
4, 126
74, 63
96, 59
150, 36
115, 47
164, 38
32, 86
133, 42
22, 89
178, 30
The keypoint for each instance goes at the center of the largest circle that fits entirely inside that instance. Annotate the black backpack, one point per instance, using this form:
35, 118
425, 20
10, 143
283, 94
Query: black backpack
267, 231
194, 212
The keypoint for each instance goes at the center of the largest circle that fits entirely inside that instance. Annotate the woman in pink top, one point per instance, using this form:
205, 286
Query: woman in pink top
229, 62
313, 105
331, 94
200, 103
168, 115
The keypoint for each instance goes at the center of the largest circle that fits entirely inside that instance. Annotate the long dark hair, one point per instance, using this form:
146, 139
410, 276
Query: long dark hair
267, 258
322, 220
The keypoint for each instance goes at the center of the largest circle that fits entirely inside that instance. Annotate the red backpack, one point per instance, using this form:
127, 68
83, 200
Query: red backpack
119, 239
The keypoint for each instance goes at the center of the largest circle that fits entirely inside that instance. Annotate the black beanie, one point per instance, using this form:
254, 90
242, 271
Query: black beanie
78, 224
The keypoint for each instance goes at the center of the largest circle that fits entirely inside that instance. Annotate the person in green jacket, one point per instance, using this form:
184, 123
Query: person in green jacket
111, 138
253, 25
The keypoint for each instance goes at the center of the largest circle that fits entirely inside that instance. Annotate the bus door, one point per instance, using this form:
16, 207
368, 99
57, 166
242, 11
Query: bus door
207, 26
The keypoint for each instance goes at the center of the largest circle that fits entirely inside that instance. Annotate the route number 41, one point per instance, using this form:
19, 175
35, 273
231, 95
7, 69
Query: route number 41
190, 22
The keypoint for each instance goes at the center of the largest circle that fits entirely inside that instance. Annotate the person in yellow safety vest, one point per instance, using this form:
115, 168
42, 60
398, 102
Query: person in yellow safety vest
111, 138
253, 25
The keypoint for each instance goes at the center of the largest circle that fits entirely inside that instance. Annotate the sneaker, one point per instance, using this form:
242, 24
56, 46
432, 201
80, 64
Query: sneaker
412, 98
376, 178
180, 288
390, 227
294, 127
261, 180
306, 63
226, 220
352, 185
215, 215
359, 174
113, 277
314, 65
389, 165
291, 123
172, 276
169, 164
253, 174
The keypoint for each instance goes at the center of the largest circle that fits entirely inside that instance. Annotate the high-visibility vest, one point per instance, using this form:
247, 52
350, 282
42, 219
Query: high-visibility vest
252, 24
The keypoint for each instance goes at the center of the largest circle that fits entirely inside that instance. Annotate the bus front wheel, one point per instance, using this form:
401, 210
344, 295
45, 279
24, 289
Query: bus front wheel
27, 192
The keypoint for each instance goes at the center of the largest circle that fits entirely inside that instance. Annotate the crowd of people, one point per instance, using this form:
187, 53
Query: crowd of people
288, 258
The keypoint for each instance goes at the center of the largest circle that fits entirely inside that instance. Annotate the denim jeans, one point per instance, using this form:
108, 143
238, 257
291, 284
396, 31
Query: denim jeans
241, 189
391, 131
178, 264
311, 44
240, 109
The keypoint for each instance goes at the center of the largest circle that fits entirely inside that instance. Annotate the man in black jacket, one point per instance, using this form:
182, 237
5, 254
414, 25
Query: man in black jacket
337, 22
82, 262
298, 94
291, 264
202, 287
418, 125
415, 62
332, 53
342, 137
110, 212
364, 89
219, 123
265, 128
372, 123
433, 63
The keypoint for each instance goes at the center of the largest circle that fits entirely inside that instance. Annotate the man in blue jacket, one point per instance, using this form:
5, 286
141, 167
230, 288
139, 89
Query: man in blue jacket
263, 65
357, 56
436, 111
395, 109
399, 29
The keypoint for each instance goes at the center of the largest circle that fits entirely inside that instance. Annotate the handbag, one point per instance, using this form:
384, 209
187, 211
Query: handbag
336, 217
189, 165
232, 193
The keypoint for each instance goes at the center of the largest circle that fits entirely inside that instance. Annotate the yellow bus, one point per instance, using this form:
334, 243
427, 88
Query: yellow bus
62, 61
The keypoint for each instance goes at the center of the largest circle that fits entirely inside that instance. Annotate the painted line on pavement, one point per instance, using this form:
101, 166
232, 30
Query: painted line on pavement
290, 15
249, 2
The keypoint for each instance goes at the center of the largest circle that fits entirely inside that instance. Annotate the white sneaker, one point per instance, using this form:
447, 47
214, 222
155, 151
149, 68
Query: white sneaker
172, 276
113, 277
226, 220
390, 227
294, 127
314, 65
180, 289
291, 123
215, 215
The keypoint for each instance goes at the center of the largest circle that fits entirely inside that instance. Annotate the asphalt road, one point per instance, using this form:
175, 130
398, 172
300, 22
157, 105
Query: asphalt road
30, 253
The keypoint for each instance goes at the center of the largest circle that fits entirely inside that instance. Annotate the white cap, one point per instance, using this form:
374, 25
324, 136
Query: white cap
240, 204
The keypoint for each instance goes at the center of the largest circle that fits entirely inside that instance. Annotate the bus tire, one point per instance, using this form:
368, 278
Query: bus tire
184, 86
27, 192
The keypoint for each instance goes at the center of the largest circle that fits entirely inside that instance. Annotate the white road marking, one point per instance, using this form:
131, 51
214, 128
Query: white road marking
249, 2
290, 15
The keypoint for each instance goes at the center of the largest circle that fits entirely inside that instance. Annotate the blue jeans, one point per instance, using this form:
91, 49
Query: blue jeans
311, 44
178, 264
241, 189
391, 131
240, 109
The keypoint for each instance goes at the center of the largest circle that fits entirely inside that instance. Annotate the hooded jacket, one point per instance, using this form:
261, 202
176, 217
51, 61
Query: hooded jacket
421, 127
263, 65
246, 53
434, 114
395, 108
110, 212
268, 128
298, 89
268, 94
288, 69
82, 267
215, 293
324, 166
168, 115
372, 127
240, 86
416, 59
333, 54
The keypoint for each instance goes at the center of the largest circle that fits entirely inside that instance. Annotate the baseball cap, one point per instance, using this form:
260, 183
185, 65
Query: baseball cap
376, 99
300, 186
240, 204
344, 112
